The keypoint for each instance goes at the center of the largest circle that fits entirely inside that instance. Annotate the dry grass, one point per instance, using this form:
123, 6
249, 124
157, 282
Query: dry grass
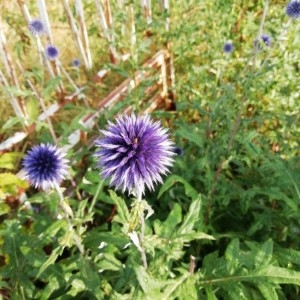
21, 45
129, 36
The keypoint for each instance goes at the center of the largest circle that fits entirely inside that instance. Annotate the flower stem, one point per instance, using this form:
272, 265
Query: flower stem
67, 213
141, 237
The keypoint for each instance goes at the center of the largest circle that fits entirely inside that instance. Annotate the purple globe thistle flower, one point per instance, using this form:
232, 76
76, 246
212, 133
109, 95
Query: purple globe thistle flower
76, 63
228, 47
45, 166
179, 151
51, 52
36, 27
293, 9
263, 40
266, 39
134, 153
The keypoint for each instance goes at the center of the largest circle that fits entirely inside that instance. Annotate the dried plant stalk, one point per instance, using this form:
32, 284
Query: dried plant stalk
147, 10
44, 61
24, 10
68, 76
75, 31
105, 28
170, 65
13, 101
44, 15
83, 31
45, 18
40, 47
89, 120
7, 61
133, 39
166, 6
164, 78
42, 103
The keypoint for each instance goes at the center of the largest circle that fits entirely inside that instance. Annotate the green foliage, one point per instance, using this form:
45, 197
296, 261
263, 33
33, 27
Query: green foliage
10, 184
248, 273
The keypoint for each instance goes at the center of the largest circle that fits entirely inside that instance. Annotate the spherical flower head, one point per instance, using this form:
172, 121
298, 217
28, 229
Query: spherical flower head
45, 166
51, 52
179, 151
134, 152
228, 47
36, 27
264, 40
293, 9
76, 63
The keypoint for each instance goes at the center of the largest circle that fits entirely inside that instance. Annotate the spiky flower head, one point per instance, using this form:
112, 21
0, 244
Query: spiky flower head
179, 151
76, 62
293, 9
36, 27
228, 47
134, 152
45, 166
264, 40
51, 52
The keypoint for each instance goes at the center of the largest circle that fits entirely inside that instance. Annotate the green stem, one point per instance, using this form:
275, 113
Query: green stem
178, 283
99, 188
66, 216
141, 237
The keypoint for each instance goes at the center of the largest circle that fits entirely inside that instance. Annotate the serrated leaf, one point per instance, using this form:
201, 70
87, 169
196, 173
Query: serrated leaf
90, 277
187, 237
232, 256
288, 256
186, 288
92, 176
237, 292
279, 275
210, 261
150, 286
210, 293
264, 254
51, 260
67, 240
275, 193
175, 216
193, 137
167, 228
123, 216
53, 229
276, 275
171, 180
94, 238
109, 262
191, 218
268, 291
